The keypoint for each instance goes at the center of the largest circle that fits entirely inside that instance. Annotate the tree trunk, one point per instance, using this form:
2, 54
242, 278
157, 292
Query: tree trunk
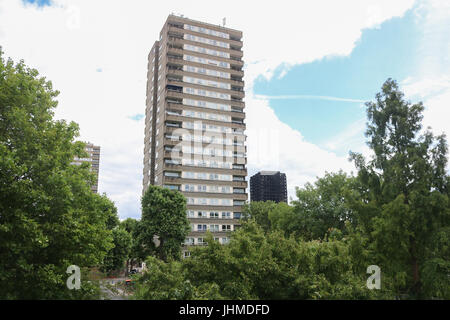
161, 250
415, 269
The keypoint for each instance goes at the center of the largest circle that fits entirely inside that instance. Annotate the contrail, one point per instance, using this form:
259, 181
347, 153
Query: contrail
286, 97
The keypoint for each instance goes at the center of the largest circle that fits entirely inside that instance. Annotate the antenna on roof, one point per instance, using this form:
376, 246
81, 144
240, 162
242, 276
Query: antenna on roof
224, 21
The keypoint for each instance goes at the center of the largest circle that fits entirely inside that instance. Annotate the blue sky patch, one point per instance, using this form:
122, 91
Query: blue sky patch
136, 117
323, 98
39, 3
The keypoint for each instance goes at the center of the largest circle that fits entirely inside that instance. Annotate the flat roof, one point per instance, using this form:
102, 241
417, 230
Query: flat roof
204, 23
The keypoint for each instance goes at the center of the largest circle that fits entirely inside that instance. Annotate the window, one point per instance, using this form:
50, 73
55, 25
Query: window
172, 187
214, 215
207, 31
226, 202
171, 174
187, 254
191, 214
226, 215
207, 61
201, 227
212, 42
214, 228
208, 83
238, 202
202, 214
226, 227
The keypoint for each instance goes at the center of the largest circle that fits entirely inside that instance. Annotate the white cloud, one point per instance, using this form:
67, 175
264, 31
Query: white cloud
431, 84
70, 41
273, 145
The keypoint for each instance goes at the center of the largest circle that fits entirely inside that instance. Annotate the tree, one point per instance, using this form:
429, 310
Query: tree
131, 225
259, 211
402, 204
322, 207
49, 218
120, 253
167, 281
258, 264
164, 220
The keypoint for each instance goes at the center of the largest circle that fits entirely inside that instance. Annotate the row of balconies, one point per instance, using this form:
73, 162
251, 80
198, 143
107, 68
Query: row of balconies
178, 59
176, 49
170, 139
233, 40
174, 121
176, 77
179, 166
235, 46
177, 72
235, 112
241, 196
177, 174
173, 125
176, 84
178, 113
179, 180
176, 94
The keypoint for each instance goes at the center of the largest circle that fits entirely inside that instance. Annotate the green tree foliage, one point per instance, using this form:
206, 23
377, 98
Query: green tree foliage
258, 265
116, 257
167, 281
321, 207
49, 218
164, 220
135, 252
259, 211
402, 203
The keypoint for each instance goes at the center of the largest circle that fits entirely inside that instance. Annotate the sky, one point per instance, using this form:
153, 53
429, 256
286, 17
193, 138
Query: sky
309, 68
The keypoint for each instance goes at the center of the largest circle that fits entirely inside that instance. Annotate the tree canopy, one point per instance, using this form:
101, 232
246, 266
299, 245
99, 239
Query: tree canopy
164, 222
49, 218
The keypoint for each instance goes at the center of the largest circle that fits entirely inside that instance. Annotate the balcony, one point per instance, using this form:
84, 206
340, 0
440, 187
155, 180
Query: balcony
177, 26
172, 88
236, 109
173, 124
174, 113
176, 41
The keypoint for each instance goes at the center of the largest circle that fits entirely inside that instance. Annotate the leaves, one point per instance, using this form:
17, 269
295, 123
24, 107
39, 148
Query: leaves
163, 218
403, 199
49, 218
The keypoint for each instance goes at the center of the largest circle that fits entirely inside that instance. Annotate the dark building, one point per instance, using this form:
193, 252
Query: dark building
268, 185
